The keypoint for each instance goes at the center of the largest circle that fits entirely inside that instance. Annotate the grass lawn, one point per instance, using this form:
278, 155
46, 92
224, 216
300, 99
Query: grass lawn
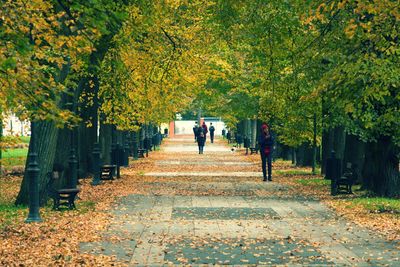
15, 153
376, 204
25, 139
14, 157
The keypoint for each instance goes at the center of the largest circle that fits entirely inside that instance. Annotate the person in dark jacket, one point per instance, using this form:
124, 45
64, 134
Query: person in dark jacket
266, 143
205, 131
195, 130
201, 139
212, 130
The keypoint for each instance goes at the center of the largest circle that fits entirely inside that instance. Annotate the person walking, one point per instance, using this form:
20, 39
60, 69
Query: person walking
212, 130
266, 143
195, 130
205, 131
201, 139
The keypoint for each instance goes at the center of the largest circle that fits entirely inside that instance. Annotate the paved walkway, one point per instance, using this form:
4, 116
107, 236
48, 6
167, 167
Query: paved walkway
237, 227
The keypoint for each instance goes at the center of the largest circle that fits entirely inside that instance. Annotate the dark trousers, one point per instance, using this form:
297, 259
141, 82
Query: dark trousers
201, 148
212, 138
266, 160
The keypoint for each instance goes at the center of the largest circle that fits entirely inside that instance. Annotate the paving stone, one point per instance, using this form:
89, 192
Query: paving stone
224, 213
240, 252
122, 250
218, 218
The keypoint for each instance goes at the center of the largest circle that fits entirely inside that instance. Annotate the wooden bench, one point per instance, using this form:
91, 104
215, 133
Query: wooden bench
63, 196
107, 172
142, 152
347, 180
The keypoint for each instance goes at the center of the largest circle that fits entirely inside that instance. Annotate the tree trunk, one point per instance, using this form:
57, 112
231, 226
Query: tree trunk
45, 145
354, 153
304, 155
339, 142
284, 152
327, 144
294, 156
334, 139
253, 133
105, 142
314, 156
381, 168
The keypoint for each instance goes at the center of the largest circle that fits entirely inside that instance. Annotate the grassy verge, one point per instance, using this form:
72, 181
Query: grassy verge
25, 139
15, 153
14, 157
376, 204
314, 182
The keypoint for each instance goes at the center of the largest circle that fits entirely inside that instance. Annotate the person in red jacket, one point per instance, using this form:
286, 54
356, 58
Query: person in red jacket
205, 130
266, 144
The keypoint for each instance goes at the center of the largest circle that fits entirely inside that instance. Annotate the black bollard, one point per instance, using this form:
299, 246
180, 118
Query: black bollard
73, 163
33, 173
118, 159
96, 164
126, 153
135, 145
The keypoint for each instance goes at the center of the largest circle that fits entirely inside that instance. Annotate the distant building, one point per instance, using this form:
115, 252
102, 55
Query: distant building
14, 126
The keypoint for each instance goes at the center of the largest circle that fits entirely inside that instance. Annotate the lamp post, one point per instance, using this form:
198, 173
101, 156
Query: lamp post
33, 174
135, 145
72, 161
96, 159
126, 149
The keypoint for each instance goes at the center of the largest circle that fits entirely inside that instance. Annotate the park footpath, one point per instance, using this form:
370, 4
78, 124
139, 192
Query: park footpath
214, 209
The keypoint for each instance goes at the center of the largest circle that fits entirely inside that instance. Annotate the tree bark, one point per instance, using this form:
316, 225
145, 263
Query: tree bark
381, 167
105, 142
253, 133
327, 144
339, 142
45, 145
304, 155
354, 153
314, 156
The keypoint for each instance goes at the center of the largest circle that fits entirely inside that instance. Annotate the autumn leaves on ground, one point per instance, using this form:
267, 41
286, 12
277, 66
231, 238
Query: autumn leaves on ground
56, 240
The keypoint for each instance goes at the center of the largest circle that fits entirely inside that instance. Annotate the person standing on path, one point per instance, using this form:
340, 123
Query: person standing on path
195, 130
266, 143
212, 130
205, 131
201, 139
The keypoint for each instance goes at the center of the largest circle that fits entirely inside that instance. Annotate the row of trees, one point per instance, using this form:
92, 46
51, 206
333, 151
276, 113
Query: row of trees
76, 68
321, 72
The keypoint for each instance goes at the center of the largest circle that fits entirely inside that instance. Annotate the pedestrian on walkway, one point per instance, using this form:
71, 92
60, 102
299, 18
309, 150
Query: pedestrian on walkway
229, 136
201, 139
266, 143
205, 131
212, 130
195, 130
